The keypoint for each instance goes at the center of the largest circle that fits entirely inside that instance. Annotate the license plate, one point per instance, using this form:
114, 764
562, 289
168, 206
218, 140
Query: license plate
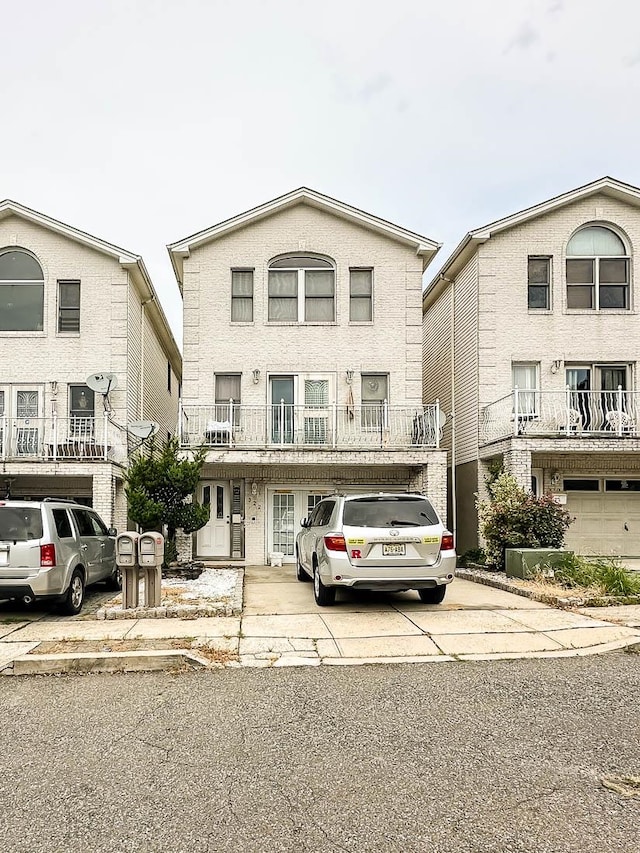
393, 550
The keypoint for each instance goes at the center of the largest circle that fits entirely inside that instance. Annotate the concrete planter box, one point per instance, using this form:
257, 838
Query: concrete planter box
525, 562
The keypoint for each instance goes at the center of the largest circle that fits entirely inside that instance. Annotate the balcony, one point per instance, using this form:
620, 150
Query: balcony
565, 413
302, 427
56, 439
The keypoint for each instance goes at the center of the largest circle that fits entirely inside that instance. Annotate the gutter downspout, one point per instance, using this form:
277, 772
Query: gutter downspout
142, 325
452, 359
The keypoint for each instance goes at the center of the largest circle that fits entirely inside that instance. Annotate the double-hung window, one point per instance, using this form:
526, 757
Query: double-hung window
68, 306
21, 292
227, 392
301, 290
374, 395
597, 270
539, 283
361, 295
241, 296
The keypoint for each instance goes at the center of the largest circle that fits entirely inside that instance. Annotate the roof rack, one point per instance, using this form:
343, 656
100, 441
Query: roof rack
60, 500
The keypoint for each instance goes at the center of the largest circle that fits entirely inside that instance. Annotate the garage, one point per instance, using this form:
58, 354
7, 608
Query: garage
607, 516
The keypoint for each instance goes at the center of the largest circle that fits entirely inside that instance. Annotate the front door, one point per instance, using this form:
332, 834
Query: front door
286, 508
213, 540
27, 411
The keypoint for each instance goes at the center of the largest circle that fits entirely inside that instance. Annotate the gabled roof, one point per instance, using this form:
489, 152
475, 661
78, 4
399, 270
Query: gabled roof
128, 260
424, 247
469, 243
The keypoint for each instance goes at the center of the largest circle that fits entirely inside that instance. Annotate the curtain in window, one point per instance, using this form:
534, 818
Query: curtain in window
242, 296
525, 379
319, 290
595, 240
283, 295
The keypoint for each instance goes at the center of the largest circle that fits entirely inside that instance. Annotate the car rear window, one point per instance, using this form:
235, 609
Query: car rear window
20, 524
389, 512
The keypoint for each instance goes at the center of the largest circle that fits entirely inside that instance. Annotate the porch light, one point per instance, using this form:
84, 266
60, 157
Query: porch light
555, 365
349, 375
256, 376
254, 488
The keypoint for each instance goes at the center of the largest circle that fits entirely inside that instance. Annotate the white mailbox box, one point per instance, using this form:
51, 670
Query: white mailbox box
150, 549
127, 549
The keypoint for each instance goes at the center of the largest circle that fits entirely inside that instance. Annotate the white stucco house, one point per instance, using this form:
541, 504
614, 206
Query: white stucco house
302, 367
73, 305
531, 339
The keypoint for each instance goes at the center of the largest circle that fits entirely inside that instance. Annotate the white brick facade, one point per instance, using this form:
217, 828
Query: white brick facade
61, 457
271, 483
486, 282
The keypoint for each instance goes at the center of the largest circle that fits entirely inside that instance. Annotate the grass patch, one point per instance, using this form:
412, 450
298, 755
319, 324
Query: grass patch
597, 575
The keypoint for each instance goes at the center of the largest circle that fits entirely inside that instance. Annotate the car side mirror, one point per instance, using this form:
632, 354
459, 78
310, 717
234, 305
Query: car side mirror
304, 522
112, 531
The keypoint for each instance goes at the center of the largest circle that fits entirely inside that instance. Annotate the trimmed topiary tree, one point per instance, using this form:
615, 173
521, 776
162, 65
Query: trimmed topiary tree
160, 487
515, 518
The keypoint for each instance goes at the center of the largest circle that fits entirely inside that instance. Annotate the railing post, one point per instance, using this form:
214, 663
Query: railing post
567, 405
436, 415
55, 435
282, 421
180, 416
230, 428
4, 438
334, 418
516, 414
105, 426
620, 413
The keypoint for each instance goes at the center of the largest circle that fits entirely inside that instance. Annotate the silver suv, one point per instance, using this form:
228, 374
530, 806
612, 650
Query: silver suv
390, 542
54, 549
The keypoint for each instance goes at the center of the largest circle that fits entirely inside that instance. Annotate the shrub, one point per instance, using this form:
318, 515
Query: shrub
473, 555
514, 518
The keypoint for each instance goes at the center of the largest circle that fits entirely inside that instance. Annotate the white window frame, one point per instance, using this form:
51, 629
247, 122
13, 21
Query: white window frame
596, 272
301, 292
524, 409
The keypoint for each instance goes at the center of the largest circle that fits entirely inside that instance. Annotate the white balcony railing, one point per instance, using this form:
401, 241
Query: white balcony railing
566, 413
328, 427
56, 439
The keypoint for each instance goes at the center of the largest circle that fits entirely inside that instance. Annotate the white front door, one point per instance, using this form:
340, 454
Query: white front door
28, 423
214, 538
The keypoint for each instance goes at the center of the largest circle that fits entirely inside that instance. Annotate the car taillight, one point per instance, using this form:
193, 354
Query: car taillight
47, 555
447, 542
335, 542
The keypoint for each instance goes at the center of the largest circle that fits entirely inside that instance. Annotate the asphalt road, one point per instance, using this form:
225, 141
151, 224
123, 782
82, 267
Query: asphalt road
495, 756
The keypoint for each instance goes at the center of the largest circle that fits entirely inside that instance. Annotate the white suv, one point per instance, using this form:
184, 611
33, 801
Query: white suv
54, 549
391, 542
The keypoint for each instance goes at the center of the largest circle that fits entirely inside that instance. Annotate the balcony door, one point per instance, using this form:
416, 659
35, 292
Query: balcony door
594, 408
300, 408
214, 539
28, 425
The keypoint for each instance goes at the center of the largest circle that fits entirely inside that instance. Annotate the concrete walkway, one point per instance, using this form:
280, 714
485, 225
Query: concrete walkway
282, 626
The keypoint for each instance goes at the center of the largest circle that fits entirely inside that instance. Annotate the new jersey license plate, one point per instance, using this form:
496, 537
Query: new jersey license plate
395, 550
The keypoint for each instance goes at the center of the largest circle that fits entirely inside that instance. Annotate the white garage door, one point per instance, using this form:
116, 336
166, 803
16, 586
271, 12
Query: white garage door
605, 523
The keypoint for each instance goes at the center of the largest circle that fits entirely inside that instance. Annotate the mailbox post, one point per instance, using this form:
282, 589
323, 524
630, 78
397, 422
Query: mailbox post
150, 556
127, 560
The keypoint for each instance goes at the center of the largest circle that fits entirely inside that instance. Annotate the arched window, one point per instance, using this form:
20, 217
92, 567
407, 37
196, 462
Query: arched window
597, 270
302, 289
21, 292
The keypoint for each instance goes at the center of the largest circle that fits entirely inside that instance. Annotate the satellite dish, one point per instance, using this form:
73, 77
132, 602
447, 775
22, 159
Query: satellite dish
441, 418
143, 429
102, 383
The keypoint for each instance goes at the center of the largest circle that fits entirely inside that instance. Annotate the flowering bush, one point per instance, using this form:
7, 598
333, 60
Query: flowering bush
515, 518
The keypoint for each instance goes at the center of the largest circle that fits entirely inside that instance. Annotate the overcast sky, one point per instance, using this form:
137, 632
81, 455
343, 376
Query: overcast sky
142, 121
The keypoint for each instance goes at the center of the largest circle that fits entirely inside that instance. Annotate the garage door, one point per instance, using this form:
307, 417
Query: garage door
605, 523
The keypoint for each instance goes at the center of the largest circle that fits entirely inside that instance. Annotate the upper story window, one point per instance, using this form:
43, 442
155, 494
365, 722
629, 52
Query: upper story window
241, 296
302, 290
539, 283
360, 295
525, 376
68, 306
21, 292
597, 270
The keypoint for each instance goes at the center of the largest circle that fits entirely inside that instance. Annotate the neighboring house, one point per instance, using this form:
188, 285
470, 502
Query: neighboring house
302, 353
531, 338
72, 305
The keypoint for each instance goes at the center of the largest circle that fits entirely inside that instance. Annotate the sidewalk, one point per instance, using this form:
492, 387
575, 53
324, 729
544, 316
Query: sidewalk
282, 626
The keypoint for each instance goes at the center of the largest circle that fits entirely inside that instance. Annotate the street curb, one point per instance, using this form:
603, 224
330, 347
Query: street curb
79, 662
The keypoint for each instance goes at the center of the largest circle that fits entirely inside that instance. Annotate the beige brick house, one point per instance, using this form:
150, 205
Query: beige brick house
531, 338
72, 305
302, 367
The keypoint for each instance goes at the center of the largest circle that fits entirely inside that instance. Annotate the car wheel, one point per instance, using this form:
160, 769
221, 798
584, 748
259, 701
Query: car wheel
325, 596
114, 581
433, 595
74, 597
300, 572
